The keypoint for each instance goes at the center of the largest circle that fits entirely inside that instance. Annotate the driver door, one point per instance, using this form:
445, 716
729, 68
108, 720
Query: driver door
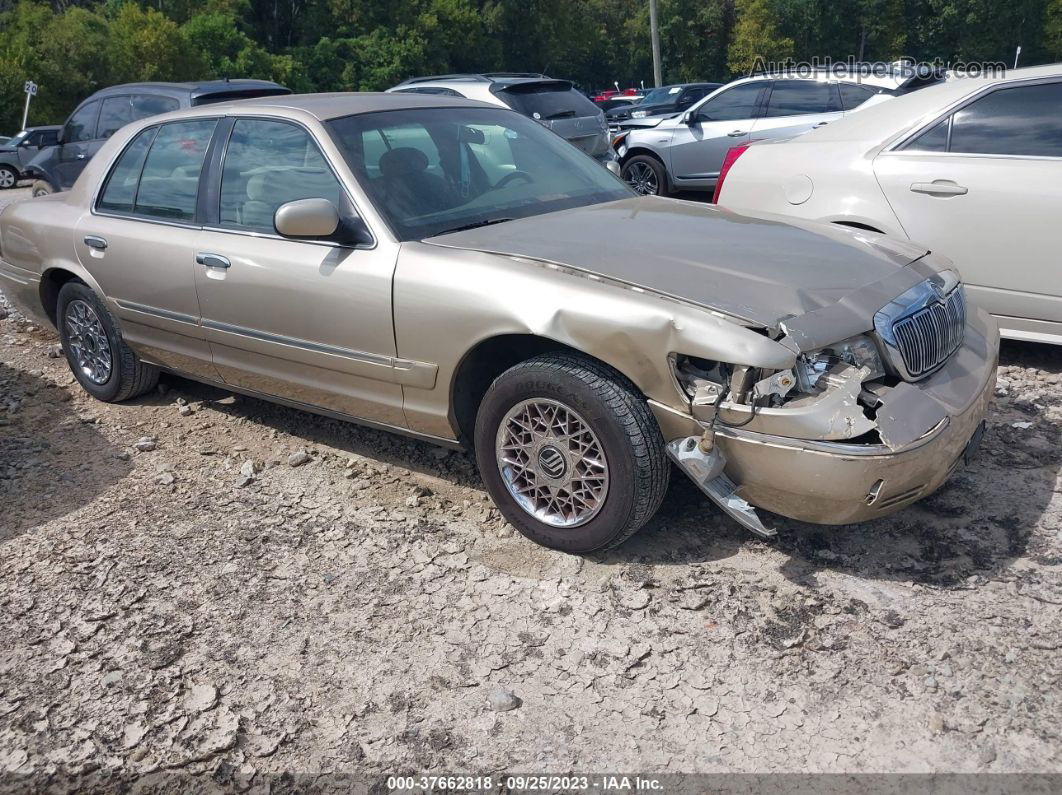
722, 121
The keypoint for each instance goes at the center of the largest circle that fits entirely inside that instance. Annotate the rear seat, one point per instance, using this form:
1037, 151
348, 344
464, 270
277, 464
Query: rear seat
266, 190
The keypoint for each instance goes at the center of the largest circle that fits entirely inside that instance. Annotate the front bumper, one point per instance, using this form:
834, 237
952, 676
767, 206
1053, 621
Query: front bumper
841, 483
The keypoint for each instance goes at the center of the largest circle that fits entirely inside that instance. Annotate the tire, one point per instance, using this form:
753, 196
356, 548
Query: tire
8, 178
42, 187
90, 340
646, 175
610, 424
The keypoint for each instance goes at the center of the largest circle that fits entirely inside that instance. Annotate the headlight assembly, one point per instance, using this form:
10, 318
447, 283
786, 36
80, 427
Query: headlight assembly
857, 351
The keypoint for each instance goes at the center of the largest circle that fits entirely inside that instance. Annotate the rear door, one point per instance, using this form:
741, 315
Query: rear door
983, 186
796, 106
138, 242
305, 320
719, 123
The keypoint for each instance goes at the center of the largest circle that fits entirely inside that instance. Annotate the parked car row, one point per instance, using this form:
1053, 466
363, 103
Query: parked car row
971, 169
17, 152
452, 270
58, 160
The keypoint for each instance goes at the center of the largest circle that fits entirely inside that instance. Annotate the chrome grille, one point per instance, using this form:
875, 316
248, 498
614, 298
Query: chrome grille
926, 338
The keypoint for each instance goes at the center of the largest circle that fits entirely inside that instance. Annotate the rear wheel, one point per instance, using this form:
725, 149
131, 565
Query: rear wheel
8, 177
103, 364
646, 175
42, 188
570, 453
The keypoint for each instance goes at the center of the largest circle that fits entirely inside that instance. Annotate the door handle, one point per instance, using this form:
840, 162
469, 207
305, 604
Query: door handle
820, 124
80, 155
213, 260
939, 188
97, 243
736, 133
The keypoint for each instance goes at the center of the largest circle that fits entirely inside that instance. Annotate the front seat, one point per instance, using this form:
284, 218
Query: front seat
408, 187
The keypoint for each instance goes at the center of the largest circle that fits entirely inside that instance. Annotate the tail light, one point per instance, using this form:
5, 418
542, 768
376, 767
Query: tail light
731, 157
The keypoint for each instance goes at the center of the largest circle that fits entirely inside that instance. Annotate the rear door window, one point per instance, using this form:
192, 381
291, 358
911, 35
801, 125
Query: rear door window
119, 194
546, 101
267, 164
115, 113
1023, 120
82, 125
738, 102
169, 184
802, 98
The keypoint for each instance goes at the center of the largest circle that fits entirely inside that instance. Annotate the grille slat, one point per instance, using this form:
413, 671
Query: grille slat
928, 337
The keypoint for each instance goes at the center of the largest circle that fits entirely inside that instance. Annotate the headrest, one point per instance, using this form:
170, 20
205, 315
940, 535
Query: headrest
403, 161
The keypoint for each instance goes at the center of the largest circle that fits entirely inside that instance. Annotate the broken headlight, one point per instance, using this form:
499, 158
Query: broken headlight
857, 351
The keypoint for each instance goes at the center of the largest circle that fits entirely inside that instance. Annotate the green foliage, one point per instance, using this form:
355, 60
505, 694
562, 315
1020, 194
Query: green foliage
73, 47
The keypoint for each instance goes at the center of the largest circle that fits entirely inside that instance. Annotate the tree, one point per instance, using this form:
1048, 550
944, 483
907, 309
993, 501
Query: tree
756, 37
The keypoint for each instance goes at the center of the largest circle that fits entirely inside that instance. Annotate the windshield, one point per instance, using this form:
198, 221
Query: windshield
662, 96
19, 138
435, 170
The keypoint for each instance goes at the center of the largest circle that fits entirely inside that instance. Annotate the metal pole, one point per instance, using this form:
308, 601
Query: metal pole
1017, 54
654, 31
25, 111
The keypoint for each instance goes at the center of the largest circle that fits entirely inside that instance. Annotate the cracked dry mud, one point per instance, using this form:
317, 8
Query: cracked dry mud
180, 590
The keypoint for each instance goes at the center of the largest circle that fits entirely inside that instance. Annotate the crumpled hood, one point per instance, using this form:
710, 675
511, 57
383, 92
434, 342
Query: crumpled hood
762, 269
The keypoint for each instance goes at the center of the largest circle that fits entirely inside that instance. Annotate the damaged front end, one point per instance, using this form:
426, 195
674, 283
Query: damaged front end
854, 429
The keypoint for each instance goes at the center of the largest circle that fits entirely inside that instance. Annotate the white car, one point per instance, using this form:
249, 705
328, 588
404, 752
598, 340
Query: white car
970, 168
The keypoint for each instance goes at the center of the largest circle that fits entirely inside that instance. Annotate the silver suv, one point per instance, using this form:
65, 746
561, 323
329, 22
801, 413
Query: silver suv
555, 104
686, 152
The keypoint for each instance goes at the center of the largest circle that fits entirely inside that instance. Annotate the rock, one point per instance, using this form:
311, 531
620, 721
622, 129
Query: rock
1021, 426
634, 600
892, 619
987, 755
111, 679
166, 479
185, 411
145, 444
54, 351
936, 723
244, 482
501, 700
123, 455
299, 458
249, 468
201, 698
133, 734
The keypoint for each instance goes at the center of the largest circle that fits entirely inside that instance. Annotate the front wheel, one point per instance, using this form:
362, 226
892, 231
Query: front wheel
646, 175
103, 364
570, 453
8, 177
42, 187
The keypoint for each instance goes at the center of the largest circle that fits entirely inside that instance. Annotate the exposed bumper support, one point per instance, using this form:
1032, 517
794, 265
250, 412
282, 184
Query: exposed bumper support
706, 470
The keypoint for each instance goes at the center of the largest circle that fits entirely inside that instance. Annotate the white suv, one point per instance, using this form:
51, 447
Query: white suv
555, 104
686, 152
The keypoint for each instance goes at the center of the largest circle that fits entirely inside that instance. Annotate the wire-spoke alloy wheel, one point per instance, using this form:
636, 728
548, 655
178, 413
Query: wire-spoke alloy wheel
88, 341
642, 178
552, 463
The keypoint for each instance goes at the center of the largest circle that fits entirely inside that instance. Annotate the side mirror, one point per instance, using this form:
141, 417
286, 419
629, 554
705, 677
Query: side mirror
318, 219
689, 118
614, 167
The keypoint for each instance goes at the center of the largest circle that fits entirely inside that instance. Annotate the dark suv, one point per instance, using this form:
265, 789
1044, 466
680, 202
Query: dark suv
57, 167
662, 102
17, 153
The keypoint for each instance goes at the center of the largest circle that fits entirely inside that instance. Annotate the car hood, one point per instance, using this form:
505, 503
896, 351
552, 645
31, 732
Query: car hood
761, 269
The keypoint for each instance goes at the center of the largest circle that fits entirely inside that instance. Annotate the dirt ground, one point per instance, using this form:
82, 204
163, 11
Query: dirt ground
175, 595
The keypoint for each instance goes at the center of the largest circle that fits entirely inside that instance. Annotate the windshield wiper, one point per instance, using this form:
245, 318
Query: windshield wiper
475, 225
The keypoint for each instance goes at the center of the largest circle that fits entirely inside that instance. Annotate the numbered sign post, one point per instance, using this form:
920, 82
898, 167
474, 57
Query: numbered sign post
31, 91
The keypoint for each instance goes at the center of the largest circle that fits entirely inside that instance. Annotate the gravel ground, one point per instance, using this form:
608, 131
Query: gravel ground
176, 595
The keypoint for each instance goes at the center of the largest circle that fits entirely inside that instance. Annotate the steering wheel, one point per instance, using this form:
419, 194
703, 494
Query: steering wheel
511, 176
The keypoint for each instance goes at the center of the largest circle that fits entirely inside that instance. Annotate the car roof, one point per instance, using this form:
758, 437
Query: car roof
203, 88
333, 106
880, 122
36, 127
